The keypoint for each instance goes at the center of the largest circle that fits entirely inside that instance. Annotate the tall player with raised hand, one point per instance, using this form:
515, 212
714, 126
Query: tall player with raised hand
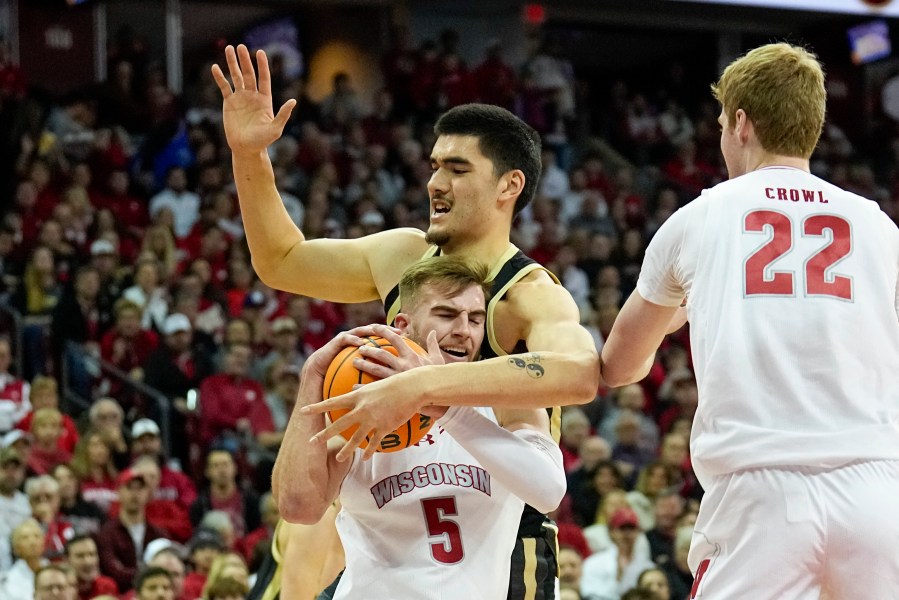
793, 301
486, 165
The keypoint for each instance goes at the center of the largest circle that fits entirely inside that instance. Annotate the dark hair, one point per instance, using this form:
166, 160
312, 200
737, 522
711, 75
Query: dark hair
639, 594
150, 573
507, 141
77, 539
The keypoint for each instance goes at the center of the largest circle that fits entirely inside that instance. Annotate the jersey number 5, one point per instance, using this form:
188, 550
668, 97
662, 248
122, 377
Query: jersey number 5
448, 550
818, 282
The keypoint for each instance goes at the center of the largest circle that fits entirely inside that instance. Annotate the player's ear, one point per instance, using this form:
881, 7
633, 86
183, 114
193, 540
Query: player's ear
742, 125
511, 184
401, 322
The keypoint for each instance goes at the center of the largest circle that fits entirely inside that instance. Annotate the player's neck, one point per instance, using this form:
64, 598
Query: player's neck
766, 159
486, 250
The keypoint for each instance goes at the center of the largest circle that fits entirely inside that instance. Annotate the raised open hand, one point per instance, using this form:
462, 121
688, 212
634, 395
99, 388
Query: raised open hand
250, 122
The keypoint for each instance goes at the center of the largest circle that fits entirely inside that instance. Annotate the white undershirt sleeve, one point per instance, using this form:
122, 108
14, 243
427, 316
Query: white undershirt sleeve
527, 462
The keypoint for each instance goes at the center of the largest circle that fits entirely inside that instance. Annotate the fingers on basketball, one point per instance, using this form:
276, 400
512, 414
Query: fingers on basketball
342, 375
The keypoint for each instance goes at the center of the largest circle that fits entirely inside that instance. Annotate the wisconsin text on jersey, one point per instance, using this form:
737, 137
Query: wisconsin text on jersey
468, 476
795, 195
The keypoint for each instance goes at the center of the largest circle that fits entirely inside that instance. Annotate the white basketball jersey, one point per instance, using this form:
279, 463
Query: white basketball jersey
794, 321
426, 523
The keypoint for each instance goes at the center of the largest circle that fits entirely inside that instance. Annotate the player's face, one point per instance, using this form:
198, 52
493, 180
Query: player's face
462, 189
458, 321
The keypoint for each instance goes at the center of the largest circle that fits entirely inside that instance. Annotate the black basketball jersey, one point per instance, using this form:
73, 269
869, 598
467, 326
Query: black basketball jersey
510, 269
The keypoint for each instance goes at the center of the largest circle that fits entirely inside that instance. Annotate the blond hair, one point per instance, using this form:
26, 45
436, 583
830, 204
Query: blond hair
46, 416
450, 275
780, 87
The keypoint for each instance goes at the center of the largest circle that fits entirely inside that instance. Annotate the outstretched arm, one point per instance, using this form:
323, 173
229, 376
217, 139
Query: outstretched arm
517, 454
335, 270
638, 331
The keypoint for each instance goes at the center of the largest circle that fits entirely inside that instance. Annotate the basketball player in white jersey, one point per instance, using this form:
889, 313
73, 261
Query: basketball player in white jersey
792, 298
437, 520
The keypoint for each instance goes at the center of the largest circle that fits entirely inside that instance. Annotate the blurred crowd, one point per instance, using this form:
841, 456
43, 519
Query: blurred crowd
123, 260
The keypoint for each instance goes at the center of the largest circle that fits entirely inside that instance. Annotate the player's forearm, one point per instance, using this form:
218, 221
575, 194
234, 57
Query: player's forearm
270, 232
516, 459
529, 380
302, 477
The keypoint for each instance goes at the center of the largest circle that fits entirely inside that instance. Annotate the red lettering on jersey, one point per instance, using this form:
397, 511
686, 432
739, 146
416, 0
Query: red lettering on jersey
769, 193
781, 193
794, 195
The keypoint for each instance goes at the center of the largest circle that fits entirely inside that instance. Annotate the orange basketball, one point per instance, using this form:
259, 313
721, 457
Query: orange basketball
342, 376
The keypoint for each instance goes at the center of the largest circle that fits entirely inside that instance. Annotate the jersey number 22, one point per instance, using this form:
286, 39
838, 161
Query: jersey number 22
758, 280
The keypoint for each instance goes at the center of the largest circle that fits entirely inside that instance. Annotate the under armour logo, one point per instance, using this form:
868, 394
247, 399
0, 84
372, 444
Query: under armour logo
428, 438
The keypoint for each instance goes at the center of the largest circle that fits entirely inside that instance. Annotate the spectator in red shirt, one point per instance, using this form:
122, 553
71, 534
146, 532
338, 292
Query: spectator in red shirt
263, 534
43, 495
126, 345
683, 391
495, 81
173, 484
226, 399
122, 540
81, 554
128, 209
575, 429
44, 394
93, 465
46, 429
223, 494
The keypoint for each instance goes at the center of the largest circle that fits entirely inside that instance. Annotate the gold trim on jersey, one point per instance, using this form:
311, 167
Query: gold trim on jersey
273, 589
529, 574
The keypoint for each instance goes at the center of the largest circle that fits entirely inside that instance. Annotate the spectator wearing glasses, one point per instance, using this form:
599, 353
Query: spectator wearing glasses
52, 583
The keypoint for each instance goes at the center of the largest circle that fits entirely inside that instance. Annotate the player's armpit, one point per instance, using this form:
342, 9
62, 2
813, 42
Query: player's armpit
636, 335
336, 270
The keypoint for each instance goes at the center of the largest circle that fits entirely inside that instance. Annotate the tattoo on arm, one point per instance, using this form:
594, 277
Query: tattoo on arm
530, 365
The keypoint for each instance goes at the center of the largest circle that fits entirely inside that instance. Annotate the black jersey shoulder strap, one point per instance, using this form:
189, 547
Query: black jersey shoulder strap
392, 300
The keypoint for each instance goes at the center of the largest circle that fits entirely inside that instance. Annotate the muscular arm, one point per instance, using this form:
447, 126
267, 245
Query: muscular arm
335, 270
307, 476
561, 367
636, 335
516, 454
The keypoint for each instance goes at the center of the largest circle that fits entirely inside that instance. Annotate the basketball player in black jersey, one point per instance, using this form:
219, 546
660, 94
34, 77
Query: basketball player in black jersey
486, 166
